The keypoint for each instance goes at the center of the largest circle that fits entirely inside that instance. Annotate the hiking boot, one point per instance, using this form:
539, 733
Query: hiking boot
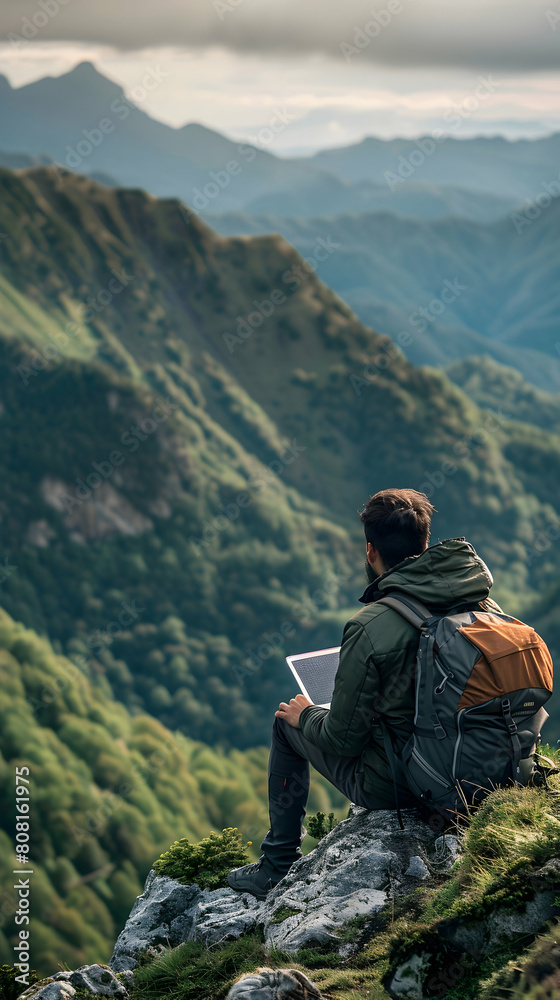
257, 878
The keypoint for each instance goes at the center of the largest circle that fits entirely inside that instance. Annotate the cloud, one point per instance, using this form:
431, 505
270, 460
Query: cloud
483, 35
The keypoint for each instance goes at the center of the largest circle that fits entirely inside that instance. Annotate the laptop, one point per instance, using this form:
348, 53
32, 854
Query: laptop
315, 673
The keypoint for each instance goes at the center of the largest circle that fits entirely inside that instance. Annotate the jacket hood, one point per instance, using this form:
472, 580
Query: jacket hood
447, 573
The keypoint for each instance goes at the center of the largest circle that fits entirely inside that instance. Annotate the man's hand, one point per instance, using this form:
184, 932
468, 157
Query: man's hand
291, 713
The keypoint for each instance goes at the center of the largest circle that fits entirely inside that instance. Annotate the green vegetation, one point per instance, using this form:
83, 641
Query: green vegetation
206, 863
108, 791
536, 976
9, 989
193, 972
485, 380
173, 630
319, 825
389, 270
282, 914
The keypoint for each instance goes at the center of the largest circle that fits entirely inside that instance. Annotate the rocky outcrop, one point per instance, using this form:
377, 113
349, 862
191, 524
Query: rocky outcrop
364, 862
95, 980
474, 939
325, 900
274, 984
352, 873
93, 513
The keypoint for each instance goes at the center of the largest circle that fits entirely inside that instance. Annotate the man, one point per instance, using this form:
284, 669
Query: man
375, 678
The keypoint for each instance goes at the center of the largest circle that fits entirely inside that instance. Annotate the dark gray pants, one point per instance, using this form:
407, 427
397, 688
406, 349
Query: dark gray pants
288, 788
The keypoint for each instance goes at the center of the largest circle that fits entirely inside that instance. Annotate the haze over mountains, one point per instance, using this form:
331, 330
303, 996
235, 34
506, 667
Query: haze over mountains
448, 213
485, 177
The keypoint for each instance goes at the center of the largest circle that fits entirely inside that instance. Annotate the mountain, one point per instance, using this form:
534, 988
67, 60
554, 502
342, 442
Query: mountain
108, 791
61, 117
315, 130
491, 164
112, 300
331, 195
189, 423
19, 161
393, 272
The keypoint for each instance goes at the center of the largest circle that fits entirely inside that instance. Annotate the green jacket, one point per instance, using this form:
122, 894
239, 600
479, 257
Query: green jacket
378, 653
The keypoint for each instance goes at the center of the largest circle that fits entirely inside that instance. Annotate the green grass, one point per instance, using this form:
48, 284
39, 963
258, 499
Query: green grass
192, 972
534, 976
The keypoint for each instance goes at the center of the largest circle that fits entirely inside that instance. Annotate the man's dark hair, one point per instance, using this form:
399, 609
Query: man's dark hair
397, 523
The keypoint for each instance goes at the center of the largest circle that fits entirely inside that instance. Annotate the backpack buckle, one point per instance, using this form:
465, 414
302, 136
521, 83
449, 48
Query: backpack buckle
506, 710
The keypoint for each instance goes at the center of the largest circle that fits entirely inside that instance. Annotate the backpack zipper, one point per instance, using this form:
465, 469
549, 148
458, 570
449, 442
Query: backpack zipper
428, 769
447, 679
460, 718
458, 740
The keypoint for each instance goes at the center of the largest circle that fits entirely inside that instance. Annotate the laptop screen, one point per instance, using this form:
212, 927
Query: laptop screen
315, 673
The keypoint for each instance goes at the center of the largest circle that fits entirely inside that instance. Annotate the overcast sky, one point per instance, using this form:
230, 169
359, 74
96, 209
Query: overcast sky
340, 69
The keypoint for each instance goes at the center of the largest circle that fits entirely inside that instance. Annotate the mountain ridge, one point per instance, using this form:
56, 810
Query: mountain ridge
140, 150
389, 269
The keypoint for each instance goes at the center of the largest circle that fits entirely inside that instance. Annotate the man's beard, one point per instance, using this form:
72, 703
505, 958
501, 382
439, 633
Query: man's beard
370, 573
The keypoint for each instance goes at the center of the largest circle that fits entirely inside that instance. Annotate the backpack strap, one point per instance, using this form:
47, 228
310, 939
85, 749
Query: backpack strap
416, 614
412, 610
419, 615
515, 741
394, 763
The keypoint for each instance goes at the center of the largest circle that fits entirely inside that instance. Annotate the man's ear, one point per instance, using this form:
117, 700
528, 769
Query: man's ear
371, 553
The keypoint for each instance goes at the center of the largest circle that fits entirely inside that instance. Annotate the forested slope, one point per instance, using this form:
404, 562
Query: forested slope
270, 413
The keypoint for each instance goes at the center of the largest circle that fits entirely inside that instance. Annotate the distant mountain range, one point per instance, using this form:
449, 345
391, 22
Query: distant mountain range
82, 121
479, 212
393, 272
486, 164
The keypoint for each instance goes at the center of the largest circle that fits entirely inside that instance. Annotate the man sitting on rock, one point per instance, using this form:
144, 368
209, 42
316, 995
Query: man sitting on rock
375, 677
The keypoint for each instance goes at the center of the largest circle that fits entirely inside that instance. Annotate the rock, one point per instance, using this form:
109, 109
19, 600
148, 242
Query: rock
366, 860
408, 980
104, 514
355, 869
98, 980
224, 914
484, 936
274, 984
417, 869
47, 989
127, 977
488, 934
40, 533
163, 915
447, 850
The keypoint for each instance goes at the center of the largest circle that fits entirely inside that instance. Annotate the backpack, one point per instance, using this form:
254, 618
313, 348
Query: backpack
482, 679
